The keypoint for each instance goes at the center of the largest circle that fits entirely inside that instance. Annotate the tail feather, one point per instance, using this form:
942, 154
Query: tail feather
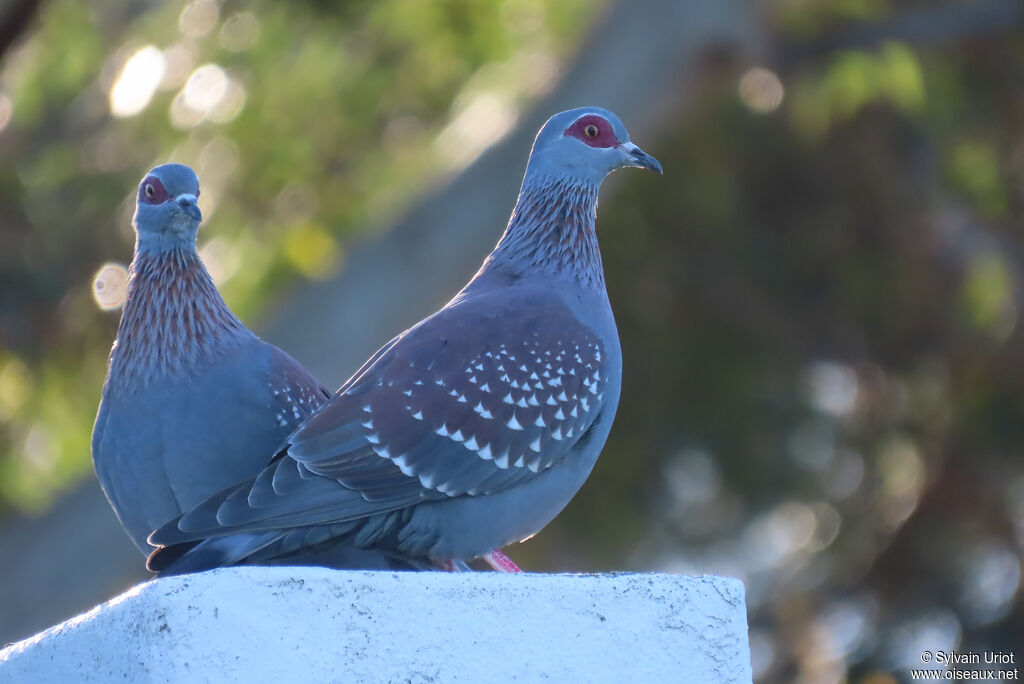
212, 553
305, 546
307, 512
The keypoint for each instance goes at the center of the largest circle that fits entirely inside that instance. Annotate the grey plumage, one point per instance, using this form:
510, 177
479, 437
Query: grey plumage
193, 401
475, 427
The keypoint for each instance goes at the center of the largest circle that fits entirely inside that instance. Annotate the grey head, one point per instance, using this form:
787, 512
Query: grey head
586, 143
167, 214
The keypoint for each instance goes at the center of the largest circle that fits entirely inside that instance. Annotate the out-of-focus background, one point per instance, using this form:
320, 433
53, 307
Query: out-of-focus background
819, 302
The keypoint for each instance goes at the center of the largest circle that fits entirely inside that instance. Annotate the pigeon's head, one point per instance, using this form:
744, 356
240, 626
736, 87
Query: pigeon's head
166, 210
586, 143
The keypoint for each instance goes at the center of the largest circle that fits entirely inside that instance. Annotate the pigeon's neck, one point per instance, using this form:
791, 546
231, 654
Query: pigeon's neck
173, 321
552, 230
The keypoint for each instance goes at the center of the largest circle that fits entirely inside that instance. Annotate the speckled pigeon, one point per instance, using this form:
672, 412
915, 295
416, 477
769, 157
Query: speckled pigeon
473, 428
193, 401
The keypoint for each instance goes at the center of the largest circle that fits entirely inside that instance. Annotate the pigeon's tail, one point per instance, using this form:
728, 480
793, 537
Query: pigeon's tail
322, 545
217, 552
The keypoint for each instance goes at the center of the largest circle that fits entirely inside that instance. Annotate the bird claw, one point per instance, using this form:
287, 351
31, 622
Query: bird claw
500, 562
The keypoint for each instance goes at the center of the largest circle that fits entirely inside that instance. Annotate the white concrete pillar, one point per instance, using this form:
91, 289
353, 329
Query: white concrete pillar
282, 625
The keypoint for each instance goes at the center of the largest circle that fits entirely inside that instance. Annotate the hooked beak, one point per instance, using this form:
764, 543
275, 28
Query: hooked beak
639, 158
189, 204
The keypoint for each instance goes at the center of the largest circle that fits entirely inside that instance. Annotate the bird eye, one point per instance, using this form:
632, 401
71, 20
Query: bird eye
592, 130
152, 191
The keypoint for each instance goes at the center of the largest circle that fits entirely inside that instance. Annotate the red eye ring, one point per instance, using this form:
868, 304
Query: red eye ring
593, 130
152, 191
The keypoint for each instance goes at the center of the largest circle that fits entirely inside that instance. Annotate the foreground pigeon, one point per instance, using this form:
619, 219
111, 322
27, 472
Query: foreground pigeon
193, 401
475, 427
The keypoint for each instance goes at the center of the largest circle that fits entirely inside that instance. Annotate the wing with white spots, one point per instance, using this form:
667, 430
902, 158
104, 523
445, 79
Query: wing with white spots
473, 400
294, 394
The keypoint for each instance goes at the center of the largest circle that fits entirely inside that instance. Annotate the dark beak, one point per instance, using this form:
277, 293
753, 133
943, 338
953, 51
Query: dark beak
640, 158
188, 204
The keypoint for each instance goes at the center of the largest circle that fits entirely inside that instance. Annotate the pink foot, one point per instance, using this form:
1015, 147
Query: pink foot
501, 562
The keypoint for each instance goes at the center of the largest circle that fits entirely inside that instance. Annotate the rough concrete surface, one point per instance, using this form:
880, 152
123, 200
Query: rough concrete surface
316, 625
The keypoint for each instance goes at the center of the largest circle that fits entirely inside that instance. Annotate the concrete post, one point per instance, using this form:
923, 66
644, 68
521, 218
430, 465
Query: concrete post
277, 624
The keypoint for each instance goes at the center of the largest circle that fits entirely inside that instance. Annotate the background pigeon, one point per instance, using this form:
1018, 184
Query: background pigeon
193, 401
473, 428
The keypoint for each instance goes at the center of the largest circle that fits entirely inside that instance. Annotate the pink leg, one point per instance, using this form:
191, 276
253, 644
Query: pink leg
501, 562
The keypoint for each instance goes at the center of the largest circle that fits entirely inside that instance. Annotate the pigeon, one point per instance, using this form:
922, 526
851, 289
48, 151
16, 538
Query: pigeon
473, 428
193, 401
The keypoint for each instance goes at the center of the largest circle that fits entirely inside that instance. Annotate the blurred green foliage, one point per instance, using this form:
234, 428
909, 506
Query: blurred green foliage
308, 124
852, 80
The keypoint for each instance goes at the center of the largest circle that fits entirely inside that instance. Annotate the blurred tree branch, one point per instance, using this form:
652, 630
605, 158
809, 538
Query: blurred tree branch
14, 20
